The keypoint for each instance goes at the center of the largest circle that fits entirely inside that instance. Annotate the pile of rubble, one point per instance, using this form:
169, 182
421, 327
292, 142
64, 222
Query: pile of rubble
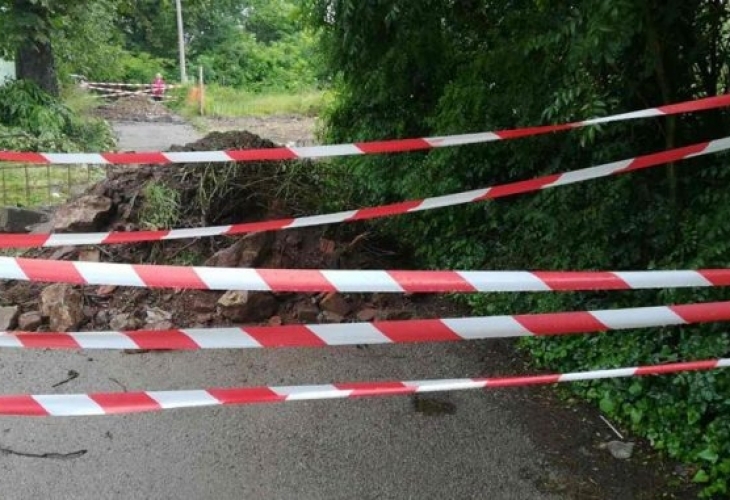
136, 108
114, 204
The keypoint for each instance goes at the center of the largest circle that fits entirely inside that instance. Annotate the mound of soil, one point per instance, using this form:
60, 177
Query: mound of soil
136, 108
213, 194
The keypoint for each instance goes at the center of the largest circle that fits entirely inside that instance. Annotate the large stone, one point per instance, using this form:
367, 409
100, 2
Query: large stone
242, 306
249, 251
18, 220
8, 317
63, 305
87, 213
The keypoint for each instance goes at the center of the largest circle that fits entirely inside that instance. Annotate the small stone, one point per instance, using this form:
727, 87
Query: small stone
204, 303
619, 449
62, 253
241, 306
159, 326
368, 314
204, 318
249, 251
335, 303
326, 246
106, 290
124, 322
157, 315
307, 313
30, 321
330, 317
63, 305
8, 317
275, 321
90, 255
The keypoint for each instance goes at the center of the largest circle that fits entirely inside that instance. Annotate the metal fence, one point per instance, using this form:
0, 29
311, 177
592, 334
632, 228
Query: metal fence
44, 185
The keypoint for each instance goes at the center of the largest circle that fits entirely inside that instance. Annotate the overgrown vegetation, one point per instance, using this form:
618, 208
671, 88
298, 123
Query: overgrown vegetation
408, 69
160, 207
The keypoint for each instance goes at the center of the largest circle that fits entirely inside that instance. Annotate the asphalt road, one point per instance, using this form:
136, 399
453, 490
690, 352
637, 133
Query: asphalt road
473, 445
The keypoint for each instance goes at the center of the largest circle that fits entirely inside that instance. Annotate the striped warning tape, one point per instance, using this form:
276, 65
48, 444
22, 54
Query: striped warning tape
362, 148
114, 403
129, 85
379, 332
23, 240
307, 281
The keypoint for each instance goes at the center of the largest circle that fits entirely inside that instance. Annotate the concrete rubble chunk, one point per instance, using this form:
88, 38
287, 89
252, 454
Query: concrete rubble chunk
8, 317
249, 251
30, 321
87, 213
18, 220
63, 305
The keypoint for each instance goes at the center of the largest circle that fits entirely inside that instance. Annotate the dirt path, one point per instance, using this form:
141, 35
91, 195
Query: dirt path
510, 444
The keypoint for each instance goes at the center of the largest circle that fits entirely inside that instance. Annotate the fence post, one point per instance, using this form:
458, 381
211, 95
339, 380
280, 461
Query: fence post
202, 90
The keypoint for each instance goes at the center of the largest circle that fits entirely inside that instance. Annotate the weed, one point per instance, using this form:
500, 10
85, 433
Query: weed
160, 208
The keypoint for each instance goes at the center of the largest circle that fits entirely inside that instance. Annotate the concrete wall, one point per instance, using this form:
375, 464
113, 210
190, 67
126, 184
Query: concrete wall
7, 70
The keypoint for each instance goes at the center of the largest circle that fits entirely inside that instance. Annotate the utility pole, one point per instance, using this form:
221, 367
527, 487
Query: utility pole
181, 41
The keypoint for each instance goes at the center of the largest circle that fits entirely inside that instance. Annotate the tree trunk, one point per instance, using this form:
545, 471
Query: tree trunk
35, 62
34, 58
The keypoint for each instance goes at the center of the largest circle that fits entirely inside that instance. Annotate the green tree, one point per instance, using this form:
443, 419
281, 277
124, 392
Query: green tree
432, 68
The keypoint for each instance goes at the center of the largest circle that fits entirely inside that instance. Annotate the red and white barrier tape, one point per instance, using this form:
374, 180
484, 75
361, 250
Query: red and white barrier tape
379, 332
362, 148
121, 85
346, 281
115, 403
23, 240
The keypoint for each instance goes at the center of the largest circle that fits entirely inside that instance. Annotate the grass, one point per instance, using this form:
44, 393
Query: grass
161, 207
80, 102
36, 185
226, 102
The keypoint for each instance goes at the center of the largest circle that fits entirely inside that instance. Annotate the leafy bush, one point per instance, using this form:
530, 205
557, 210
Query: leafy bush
32, 120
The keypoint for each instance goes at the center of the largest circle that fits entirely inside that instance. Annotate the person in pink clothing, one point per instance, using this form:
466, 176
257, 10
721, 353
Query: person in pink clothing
158, 88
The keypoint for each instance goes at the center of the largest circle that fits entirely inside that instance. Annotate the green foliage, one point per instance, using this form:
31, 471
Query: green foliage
160, 207
32, 120
406, 69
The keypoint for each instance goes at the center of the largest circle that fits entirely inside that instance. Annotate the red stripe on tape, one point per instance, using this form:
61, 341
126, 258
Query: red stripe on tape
162, 339
439, 281
664, 157
365, 389
134, 236
560, 323
169, 277
416, 331
22, 157
698, 105
393, 146
703, 313
523, 381
51, 271
125, 402
48, 341
285, 336
156, 158
514, 188
21, 405
675, 367
385, 210
262, 154
252, 227
561, 281
718, 277
243, 395
302, 281
22, 240
526, 132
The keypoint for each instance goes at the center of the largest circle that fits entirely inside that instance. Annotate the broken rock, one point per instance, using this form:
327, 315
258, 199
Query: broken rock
87, 213
249, 251
30, 321
63, 305
335, 303
8, 317
244, 306
124, 322
367, 314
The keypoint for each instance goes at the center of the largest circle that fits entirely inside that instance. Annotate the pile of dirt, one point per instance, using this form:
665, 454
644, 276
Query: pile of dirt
213, 194
136, 108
